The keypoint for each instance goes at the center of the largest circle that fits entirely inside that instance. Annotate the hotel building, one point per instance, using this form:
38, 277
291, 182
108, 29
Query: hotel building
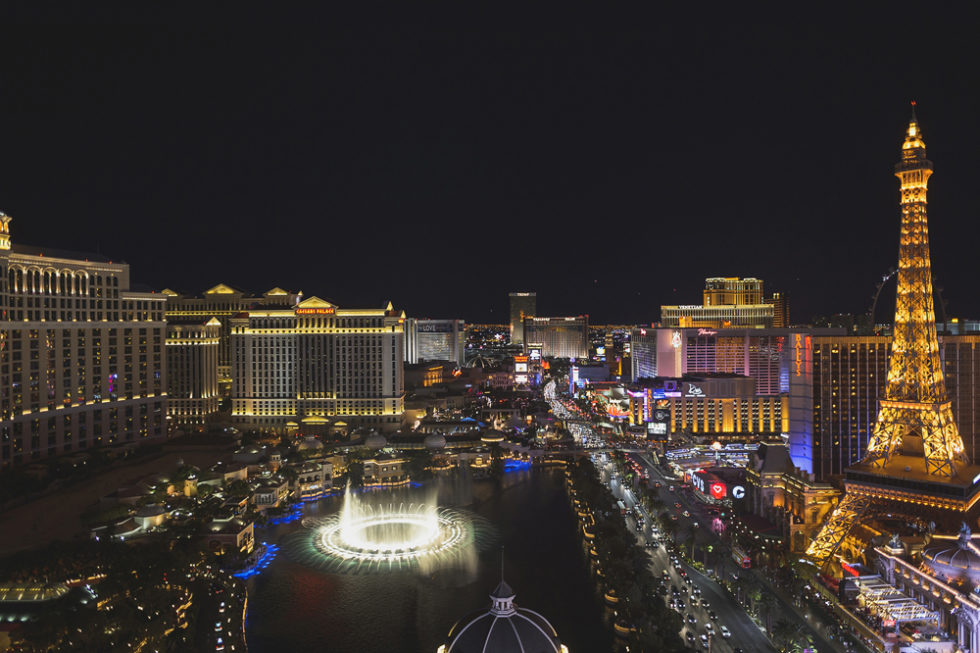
434, 340
522, 305
728, 302
81, 355
223, 302
723, 406
192, 371
558, 337
315, 367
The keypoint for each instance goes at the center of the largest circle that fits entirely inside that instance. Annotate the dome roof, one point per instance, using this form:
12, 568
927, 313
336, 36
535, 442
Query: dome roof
435, 441
308, 443
504, 628
375, 441
954, 557
493, 435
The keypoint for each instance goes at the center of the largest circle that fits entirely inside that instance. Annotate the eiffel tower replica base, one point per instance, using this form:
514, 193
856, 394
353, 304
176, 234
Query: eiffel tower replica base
899, 490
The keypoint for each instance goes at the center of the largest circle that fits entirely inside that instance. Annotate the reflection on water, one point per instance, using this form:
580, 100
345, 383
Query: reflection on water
297, 607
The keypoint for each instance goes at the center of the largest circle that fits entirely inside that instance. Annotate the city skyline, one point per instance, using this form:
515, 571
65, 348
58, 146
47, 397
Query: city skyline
320, 153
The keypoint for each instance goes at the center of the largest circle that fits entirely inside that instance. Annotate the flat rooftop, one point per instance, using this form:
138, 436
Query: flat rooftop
909, 472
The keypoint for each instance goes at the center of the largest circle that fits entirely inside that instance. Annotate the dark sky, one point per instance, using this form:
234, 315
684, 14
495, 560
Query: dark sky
608, 162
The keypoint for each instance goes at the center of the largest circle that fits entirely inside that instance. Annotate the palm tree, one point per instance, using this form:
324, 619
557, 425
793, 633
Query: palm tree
768, 603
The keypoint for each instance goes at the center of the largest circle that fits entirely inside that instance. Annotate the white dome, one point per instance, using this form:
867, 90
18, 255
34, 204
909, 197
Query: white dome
375, 441
308, 443
435, 441
504, 628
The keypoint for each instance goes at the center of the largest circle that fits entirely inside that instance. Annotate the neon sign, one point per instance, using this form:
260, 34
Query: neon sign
707, 332
316, 311
799, 356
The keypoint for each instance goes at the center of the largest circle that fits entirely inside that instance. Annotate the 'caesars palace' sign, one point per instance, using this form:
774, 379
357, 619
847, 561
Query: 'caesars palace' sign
316, 311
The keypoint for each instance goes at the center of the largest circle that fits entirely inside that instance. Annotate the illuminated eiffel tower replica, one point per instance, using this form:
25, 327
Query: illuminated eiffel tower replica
916, 465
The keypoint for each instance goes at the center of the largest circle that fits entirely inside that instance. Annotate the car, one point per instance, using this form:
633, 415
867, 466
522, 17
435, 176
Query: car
697, 591
694, 602
681, 605
690, 637
712, 615
704, 604
687, 514
709, 628
689, 580
691, 619
673, 517
665, 575
677, 505
725, 632
704, 641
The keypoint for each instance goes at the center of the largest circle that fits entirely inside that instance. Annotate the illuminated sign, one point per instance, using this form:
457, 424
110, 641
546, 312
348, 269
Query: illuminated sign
707, 332
534, 353
657, 428
643, 332
738, 492
697, 482
520, 367
675, 339
718, 491
600, 351
798, 348
316, 311
694, 391
434, 327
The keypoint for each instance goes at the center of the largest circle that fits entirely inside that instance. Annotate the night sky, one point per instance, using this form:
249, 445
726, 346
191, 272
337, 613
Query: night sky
610, 163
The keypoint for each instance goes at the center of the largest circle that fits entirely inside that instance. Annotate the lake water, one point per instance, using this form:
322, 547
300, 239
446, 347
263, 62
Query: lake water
295, 607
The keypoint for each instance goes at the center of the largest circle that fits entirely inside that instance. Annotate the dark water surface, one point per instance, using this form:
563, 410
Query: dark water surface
297, 608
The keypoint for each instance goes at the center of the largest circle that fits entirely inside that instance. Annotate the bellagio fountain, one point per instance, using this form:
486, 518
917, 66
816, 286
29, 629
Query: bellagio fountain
374, 534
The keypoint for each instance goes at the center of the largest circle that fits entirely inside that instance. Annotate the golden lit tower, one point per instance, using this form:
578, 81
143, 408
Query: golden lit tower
915, 462
915, 415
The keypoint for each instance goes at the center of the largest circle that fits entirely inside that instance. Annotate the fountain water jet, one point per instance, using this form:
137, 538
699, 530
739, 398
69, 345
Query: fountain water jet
373, 535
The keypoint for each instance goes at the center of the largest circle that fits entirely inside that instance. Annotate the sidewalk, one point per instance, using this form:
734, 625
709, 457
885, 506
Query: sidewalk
821, 642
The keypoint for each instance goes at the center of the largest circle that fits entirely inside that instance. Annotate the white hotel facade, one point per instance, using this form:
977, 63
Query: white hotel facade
314, 367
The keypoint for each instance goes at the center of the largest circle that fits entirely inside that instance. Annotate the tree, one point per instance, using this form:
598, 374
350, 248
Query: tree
496, 463
418, 466
355, 474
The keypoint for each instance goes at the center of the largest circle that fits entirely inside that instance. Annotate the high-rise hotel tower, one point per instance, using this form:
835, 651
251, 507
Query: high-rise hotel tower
314, 367
81, 356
